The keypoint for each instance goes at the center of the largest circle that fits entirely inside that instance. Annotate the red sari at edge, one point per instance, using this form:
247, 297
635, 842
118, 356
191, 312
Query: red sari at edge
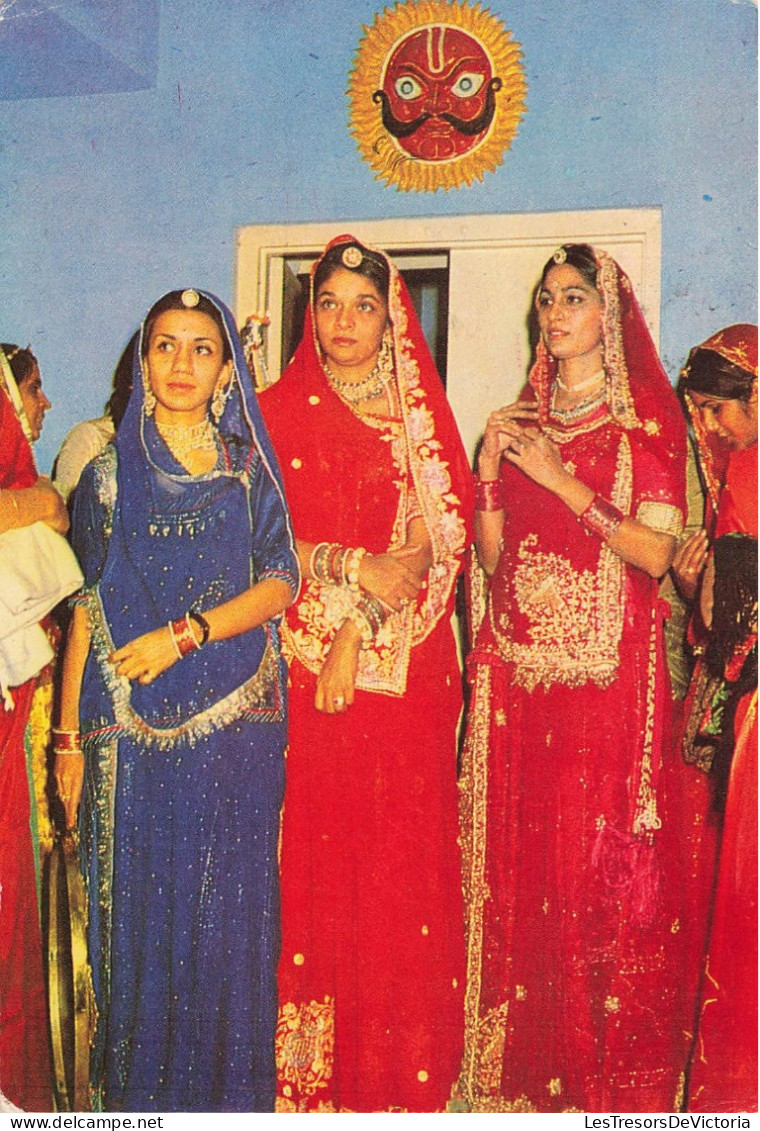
723, 1075
372, 969
25, 1073
572, 996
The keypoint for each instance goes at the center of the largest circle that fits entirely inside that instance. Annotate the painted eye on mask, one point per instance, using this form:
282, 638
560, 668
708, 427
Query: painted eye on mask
407, 88
468, 84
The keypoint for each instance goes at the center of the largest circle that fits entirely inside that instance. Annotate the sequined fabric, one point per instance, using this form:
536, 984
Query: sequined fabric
184, 777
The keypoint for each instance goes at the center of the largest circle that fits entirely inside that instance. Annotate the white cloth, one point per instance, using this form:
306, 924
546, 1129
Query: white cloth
85, 441
38, 570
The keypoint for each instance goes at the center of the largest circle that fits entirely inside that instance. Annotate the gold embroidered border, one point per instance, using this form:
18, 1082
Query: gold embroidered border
259, 694
473, 807
664, 517
645, 819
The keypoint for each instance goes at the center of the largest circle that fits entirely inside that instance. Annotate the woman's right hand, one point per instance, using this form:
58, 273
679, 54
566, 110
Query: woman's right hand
68, 772
689, 563
500, 429
337, 679
390, 576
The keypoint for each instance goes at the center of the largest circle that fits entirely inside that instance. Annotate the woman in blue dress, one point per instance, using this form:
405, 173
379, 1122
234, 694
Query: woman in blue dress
172, 724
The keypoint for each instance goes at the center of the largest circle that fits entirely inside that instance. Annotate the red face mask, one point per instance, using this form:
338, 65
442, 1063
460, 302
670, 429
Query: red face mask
438, 93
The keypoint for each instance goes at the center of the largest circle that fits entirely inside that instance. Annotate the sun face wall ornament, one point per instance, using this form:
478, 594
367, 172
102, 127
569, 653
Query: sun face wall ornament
436, 94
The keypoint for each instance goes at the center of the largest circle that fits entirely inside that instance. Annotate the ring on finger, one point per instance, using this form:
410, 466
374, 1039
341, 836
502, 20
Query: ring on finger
339, 702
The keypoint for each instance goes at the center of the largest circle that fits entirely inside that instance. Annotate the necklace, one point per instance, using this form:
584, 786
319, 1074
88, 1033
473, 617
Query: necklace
587, 384
370, 386
583, 408
183, 440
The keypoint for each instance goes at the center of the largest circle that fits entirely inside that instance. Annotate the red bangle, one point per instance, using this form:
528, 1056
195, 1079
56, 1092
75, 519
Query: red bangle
183, 637
67, 741
488, 495
601, 518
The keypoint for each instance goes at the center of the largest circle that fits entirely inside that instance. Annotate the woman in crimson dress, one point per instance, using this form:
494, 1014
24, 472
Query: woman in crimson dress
372, 967
25, 498
572, 1000
719, 385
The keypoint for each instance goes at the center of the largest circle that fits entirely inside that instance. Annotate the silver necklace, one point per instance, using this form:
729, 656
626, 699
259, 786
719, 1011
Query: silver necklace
356, 391
587, 384
583, 408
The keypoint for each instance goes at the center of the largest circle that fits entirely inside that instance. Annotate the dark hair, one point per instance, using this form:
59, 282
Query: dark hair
117, 403
712, 374
173, 301
578, 255
21, 361
370, 265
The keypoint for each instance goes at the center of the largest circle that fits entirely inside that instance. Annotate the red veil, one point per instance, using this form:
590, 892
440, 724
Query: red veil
25, 1076
319, 439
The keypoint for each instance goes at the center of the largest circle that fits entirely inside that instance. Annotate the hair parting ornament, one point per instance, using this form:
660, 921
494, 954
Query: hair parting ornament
352, 257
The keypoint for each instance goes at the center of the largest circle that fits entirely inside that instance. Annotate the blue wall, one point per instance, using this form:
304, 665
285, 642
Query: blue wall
206, 116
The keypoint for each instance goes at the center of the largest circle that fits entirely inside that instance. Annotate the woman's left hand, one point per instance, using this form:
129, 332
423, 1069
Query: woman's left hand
68, 772
536, 455
146, 656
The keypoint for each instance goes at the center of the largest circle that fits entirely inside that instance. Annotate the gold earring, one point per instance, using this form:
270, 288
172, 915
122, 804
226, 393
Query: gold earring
149, 397
219, 400
385, 355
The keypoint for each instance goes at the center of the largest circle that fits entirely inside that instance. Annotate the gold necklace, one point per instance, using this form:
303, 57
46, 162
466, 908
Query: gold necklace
184, 440
354, 392
582, 408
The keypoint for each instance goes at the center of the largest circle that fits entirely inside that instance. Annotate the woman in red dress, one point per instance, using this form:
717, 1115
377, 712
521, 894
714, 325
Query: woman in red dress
572, 1001
25, 498
719, 383
372, 967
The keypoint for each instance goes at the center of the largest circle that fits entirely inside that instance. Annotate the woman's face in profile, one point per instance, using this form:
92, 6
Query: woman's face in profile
733, 421
569, 314
350, 316
34, 401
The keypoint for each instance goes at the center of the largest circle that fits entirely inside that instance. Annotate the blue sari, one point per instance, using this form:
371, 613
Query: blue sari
179, 819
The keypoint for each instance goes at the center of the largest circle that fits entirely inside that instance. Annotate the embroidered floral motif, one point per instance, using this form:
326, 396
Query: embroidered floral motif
575, 618
304, 1049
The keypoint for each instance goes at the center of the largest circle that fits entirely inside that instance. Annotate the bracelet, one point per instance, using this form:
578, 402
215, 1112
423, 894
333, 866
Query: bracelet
313, 557
358, 618
374, 612
351, 562
334, 566
320, 561
601, 518
67, 741
203, 625
488, 495
183, 637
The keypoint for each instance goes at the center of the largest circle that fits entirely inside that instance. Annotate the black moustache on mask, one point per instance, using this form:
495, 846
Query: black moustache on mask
468, 127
